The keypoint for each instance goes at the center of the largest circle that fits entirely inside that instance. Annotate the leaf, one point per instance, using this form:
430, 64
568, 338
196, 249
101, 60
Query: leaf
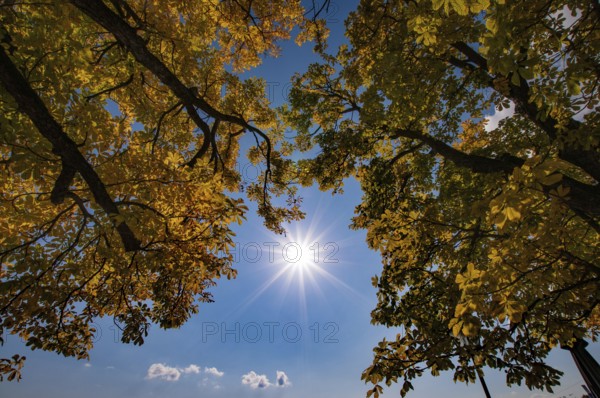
573, 87
500, 219
526, 73
470, 329
562, 191
437, 4
515, 79
491, 24
512, 213
456, 328
460, 6
552, 179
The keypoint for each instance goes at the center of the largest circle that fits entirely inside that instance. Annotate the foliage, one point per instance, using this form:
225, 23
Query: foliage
120, 129
489, 234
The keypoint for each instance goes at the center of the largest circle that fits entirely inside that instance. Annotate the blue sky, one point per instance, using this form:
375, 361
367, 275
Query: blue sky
306, 328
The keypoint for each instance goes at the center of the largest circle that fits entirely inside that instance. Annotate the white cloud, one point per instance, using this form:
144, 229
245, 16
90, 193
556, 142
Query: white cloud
88, 365
206, 382
164, 372
282, 379
255, 381
214, 372
494, 120
191, 369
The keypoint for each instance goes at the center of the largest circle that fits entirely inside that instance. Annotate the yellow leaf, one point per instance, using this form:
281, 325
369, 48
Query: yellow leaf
512, 213
500, 220
470, 329
457, 328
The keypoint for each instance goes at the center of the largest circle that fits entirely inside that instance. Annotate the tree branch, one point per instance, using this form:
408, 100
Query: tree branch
478, 164
205, 145
136, 45
160, 122
583, 198
61, 186
62, 145
588, 160
111, 89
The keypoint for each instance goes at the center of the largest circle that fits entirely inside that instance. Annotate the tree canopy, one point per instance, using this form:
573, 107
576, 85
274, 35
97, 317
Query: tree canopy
120, 128
120, 124
489, 234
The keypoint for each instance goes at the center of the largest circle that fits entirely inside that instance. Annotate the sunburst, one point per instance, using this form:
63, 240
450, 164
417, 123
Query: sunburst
299, 260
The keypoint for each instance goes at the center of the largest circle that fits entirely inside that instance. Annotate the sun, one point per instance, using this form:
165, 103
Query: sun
300, 262
300, 252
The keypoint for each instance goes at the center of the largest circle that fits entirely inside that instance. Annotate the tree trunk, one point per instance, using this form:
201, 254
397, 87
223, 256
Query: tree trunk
587, 365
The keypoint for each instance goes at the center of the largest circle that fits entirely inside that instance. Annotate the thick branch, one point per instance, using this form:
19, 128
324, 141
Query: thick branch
61, 186
588, 160
583, 198
136, 45
479, 164
204, 147
63, 146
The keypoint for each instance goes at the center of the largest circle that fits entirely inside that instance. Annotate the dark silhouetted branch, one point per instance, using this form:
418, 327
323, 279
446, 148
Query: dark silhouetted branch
62, 145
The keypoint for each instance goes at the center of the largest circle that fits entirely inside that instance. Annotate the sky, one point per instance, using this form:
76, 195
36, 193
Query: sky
295, 323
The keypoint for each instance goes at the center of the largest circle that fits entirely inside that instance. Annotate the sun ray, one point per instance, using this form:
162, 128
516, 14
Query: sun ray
301, 256
258, 292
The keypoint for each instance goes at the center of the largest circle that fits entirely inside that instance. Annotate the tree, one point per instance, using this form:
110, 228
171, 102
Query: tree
489, 234
120, 125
